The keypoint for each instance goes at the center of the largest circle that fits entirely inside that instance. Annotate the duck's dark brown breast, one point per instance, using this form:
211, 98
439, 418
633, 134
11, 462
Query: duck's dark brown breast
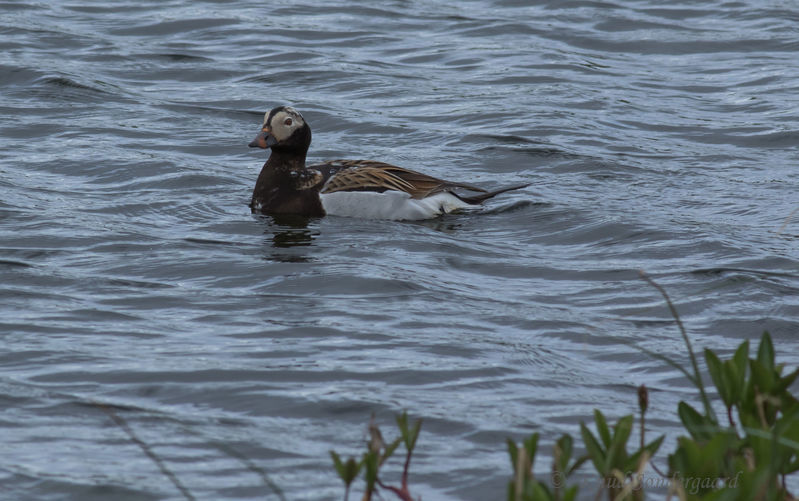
288, 201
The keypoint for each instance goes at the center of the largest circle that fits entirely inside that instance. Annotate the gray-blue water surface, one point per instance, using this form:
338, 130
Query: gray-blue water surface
135, 282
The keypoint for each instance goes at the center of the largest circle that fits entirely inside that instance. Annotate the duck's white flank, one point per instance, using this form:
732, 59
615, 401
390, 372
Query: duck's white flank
389, 204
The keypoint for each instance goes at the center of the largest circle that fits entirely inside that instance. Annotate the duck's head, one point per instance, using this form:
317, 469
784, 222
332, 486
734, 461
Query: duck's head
284, 129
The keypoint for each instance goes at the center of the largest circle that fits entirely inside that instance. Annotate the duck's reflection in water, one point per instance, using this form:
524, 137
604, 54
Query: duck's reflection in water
289, 236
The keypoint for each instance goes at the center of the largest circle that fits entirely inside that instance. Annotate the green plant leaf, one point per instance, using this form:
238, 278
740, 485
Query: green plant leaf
371, 463
409, 435
417, 427
348, 470
570, 494
786, 381
735, 382
338, 464
651, 448
389, 450
741, 356
539, 492
717, 374
402, 424
681, 461
763, 377
618, 445
785, 442
513, 451
563, 447
697, 425
531, 446
765, 352
577, 463
352, 469
594, 450
602, 427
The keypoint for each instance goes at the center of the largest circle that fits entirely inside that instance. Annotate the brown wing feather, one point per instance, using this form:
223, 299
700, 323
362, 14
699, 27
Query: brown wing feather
356, 175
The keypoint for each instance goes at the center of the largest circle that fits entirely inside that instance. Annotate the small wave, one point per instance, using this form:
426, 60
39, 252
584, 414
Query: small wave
516, 207
174, 27
61, 81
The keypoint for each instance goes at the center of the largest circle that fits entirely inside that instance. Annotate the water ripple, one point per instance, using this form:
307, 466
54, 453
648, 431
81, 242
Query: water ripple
135, 277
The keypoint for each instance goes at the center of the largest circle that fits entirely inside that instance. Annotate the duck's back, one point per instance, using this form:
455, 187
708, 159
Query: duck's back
370, 189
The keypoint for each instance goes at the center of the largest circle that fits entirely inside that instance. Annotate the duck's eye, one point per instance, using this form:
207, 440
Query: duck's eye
287, 121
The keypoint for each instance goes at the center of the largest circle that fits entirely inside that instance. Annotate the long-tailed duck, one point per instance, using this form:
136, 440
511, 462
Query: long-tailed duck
358, 188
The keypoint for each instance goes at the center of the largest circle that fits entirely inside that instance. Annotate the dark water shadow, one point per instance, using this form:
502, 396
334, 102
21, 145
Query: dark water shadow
287, 236
448, 223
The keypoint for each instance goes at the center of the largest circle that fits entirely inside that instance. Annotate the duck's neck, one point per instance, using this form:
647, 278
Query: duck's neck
285, 161
276, 173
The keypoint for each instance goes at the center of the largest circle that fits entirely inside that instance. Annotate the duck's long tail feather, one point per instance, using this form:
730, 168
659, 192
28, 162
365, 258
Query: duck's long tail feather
482, 197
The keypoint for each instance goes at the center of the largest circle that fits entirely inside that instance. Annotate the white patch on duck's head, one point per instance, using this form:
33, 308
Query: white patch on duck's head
283, 121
